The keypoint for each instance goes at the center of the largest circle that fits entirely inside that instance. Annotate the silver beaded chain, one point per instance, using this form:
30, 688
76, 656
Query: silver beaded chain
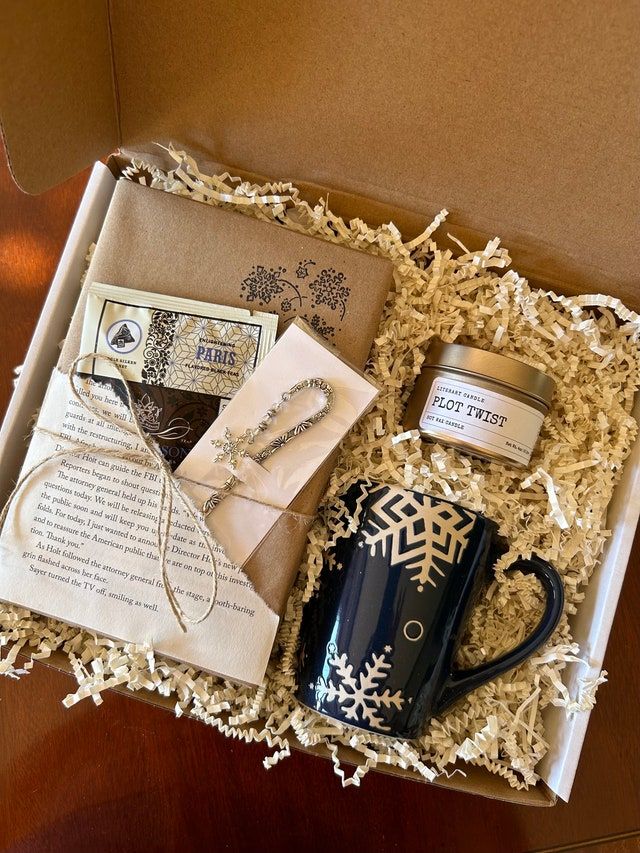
234, 448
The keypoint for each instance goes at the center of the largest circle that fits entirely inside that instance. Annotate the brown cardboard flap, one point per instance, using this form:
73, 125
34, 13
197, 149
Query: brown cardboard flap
521, 119
57, 97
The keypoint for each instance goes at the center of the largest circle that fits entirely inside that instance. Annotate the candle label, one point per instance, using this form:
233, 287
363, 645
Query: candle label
490, 421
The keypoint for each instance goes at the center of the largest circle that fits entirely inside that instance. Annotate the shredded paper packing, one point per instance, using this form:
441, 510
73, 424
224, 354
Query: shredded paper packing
556, 507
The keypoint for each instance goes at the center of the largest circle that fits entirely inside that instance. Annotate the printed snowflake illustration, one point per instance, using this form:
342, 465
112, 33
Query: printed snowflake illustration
360, 696
302, 270
264, 284
322, 328
329, 289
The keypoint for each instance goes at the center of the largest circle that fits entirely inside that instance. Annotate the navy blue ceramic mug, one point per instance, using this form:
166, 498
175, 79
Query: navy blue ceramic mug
379, 638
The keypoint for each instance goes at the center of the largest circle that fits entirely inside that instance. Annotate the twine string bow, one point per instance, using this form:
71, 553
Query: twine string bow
169, 489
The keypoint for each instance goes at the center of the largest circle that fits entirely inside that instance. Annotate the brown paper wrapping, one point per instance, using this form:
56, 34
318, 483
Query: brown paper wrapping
159, 242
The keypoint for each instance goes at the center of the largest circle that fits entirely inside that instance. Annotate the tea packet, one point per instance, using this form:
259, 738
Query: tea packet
183, 359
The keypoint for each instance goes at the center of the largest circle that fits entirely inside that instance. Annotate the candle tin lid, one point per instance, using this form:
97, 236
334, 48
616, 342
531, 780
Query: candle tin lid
508, 371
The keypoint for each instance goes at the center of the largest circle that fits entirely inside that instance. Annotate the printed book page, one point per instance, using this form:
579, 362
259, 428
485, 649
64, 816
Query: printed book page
80, 545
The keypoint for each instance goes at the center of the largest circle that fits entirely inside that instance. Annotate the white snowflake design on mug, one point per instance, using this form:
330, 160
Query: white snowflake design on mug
360, 696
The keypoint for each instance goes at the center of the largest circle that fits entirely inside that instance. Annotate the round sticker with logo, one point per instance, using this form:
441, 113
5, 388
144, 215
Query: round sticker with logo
124, 336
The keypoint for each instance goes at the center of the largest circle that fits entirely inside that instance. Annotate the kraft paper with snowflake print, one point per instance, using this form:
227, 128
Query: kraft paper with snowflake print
162, 243
319, 296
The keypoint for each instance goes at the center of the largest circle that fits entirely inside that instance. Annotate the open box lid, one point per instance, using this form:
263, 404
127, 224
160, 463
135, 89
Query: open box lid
521, 119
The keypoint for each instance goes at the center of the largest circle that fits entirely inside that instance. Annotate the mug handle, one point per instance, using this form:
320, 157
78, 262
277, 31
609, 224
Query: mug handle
461, 681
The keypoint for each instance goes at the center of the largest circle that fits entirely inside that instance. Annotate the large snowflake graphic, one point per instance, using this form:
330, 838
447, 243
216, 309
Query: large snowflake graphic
329, 289
360, 696
417, 533
264, 284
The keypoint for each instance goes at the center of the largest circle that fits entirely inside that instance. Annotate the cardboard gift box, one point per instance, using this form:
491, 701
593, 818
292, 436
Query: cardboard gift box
516, 121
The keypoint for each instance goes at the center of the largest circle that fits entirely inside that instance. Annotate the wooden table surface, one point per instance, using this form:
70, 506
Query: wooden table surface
130, 777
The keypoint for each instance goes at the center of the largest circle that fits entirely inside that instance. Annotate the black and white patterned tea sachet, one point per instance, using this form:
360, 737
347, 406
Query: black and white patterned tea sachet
183, 359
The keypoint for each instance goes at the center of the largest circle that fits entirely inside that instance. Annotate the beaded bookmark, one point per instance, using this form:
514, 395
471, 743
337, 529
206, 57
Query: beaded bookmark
234, 448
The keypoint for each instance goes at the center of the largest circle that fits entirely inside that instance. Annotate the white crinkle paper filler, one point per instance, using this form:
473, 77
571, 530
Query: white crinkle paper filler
557, 507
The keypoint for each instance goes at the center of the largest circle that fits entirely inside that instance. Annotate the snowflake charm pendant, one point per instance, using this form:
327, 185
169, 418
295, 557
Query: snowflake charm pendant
231, 449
